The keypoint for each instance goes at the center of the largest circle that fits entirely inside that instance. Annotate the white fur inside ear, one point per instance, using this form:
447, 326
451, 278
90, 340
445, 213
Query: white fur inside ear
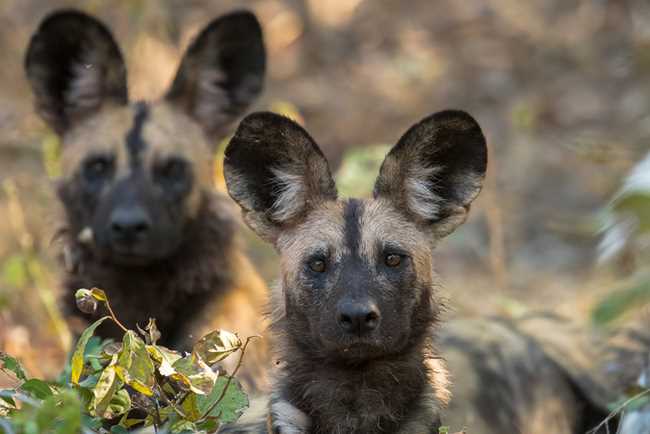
86, 89
291, 194
420, 195
212, 101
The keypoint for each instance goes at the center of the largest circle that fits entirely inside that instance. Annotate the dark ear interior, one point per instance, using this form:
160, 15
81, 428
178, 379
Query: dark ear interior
74, 66
222, 71
275, 171
436, 169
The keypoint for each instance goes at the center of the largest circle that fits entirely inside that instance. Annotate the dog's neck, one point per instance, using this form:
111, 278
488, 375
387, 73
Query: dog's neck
167, 289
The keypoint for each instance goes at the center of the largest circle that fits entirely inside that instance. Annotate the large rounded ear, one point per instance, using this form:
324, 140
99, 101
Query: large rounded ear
74, 66
436, 170
222, 72
275, 172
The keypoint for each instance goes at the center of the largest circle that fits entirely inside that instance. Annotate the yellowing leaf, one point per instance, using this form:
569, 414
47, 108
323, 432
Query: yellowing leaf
217, 345
134, 366
78, 356
194, 374
190, 407
160, 354
152, 331
104, 390
98, 294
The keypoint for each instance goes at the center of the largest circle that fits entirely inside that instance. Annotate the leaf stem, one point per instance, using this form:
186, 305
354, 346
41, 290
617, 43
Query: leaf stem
169, 402
112, 314
225, 388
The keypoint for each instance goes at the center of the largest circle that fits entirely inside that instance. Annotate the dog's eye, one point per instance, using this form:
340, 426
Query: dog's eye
317, 265
97, 168
174, 175
392, 260
174, 169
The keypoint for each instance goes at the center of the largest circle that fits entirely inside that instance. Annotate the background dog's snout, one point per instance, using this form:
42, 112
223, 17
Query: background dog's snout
129, 224
358, 316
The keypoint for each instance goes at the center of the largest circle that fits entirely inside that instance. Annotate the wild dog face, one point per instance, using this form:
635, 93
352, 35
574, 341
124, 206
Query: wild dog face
134, 172
357, 275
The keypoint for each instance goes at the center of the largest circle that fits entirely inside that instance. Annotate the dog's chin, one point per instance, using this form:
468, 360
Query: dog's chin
356, 352
132, 258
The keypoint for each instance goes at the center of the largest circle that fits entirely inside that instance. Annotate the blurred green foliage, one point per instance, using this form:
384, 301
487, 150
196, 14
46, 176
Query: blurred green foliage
359, 169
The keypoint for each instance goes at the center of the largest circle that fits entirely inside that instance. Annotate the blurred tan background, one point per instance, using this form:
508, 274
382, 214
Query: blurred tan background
561, 89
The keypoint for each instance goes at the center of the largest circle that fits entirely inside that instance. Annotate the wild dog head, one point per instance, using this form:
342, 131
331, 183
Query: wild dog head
134, 172
357, 275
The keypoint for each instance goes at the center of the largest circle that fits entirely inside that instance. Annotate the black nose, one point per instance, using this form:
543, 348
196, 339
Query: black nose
129, 224
358, 316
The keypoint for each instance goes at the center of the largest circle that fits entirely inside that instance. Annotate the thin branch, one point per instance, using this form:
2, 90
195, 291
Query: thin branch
169, 402
112, 314
616, 411
225, 389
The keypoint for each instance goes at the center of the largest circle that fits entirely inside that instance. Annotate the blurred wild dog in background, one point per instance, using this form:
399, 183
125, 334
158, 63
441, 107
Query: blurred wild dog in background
543, 373
142, 220
356, 310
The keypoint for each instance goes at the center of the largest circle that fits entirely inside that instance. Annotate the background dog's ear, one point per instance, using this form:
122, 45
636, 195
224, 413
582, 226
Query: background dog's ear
222, 72
436, 170
275, 172
74, 66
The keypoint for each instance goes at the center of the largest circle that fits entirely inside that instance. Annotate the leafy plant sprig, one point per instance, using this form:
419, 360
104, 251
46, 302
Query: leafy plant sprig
114, 387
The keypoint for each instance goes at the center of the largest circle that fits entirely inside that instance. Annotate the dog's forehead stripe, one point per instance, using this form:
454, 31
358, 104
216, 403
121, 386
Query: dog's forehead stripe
352, 220
134, 141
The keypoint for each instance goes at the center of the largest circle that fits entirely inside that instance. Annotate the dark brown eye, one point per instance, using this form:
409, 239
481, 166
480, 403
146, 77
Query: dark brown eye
317, 265
173, 169
393, 260
97, 168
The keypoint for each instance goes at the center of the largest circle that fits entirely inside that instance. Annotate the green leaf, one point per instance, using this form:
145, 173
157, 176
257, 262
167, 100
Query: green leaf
217, 345
210, 426
78, 356
86, 394
231, 406
37, 388
183, 426
11, 364
59, 414
616, 304
119, 405
194, 374
119, 430
134, 366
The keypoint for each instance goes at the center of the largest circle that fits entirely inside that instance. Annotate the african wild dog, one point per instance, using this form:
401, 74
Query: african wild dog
540, 373
142, 219
356, 309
